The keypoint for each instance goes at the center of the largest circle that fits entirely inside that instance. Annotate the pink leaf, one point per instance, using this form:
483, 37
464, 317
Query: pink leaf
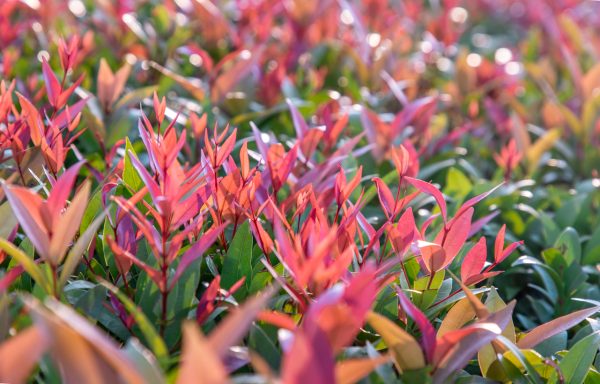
299, 124
62, 188
471, 202
226, 148
499, 244
551, 328
197, 250
52, 84
153, 188
10, 276
27, 207
63, 118
285, 166
309, 360
386, 197
429, 189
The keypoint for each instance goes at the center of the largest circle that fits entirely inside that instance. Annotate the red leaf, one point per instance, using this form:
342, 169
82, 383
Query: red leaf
53, 88
284, 168
206, 304
154, 274
433, 256
278, 319
199, 363
508, 250
476, 279
401, 159
149, 182
65, 94
386, 198
429, 189
404, 232
20, 354
32, 116
454, 238
474, 260
477, 225
233, 328
226, 148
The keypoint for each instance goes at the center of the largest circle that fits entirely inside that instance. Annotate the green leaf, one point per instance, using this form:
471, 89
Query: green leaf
9, 221
576, 363
429, 289
457, 184
549, 228
570, 245
238, 261
28, 264
91, 211
591, 254
533, 376
181, 300
487, 354
144, 361
156, 343
130, 175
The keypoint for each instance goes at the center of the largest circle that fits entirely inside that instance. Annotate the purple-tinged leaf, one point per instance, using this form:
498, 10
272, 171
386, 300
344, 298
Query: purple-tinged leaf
427, 331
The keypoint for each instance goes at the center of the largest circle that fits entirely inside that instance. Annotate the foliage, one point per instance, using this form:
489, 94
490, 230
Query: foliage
299, 191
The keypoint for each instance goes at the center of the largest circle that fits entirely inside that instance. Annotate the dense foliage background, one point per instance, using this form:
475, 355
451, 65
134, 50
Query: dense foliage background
299, 191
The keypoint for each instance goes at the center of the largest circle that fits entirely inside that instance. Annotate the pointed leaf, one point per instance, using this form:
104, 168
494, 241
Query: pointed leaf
197, 250
474, 260
21, 353
74, 256
545, 331
28, 264
199, 363
406, 350
429, 189
427, 330
235, 326
156, 343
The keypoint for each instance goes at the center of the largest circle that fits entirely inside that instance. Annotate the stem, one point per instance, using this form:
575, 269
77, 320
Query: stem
163, 313
55, 281
445, 298
431, 277
165, 289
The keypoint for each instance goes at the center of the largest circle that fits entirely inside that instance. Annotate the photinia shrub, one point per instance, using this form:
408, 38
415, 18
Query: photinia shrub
298, 192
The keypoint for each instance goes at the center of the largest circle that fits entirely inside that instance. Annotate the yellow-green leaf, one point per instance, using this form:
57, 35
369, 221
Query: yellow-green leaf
405, 349
487, 354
